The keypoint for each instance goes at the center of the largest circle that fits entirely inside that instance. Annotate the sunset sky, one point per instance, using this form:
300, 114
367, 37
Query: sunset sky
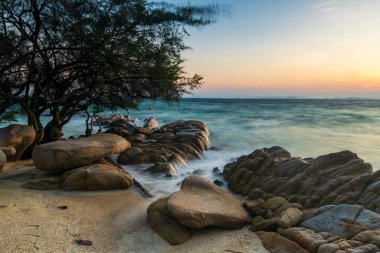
312, 48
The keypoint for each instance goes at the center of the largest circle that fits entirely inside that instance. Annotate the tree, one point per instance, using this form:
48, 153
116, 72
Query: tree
64, 56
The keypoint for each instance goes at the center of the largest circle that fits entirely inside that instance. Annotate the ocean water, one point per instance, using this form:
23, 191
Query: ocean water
305, 127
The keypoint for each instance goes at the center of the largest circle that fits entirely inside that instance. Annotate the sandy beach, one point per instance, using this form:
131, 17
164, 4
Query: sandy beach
115, 221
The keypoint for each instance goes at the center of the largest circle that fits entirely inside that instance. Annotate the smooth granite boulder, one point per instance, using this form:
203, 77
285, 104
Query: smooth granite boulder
19, 137
96, 177
164, 224
200, 203
60, 156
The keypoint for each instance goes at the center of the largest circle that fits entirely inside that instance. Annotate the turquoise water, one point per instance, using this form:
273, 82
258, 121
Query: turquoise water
307, 128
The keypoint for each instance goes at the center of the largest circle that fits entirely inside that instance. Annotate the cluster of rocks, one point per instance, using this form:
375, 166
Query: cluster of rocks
78, 164
165, 147
336, 191
285, 227
198, 204
14, 140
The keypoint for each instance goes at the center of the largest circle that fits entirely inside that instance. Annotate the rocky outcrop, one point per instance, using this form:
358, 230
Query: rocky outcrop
18, 138
173, 143
337, 178
96, 177
60, 156
198, 204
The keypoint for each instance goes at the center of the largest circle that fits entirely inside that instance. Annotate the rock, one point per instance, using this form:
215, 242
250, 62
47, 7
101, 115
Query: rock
145, 131
328, 248
308, 239
163, 168
218, 182
151, 123
256, 220
61, 156
3, 159
275, 243
278, 205
8, 151
120, 131
165, 225
48, 183
369, 236
290, 217
216, 170
200, 204
269, 225
342, 220
199, 172
19, 137
258, 208
336, 178
96, 177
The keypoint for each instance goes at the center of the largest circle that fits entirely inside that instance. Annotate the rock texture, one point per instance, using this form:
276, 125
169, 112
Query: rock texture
164, 224
60, 156
172, 143
17, 137
96, 177
337, 178
200, 203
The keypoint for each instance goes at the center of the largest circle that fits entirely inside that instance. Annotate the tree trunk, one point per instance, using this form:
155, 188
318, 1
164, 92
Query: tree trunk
52, 132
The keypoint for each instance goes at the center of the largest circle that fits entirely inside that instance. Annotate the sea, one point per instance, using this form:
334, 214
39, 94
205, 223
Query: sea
305, 127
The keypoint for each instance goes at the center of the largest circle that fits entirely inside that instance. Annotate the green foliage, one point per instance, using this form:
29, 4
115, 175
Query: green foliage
67, 55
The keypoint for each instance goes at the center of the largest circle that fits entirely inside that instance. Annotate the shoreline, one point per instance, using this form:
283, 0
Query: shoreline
115, 221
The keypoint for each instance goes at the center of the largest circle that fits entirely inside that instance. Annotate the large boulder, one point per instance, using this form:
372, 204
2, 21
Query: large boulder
96, 177
164, 224
200, 203
19, 137
61, 156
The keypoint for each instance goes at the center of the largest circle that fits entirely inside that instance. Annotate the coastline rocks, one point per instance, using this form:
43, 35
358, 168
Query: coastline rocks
173, 143
96, 177
19, 137
164, 224
336, 178
200, 203
116, 120
163, 168
290, 217
60, 156
275, 243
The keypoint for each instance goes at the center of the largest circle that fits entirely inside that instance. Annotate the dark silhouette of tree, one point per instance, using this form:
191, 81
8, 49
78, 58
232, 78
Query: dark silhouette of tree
64, 56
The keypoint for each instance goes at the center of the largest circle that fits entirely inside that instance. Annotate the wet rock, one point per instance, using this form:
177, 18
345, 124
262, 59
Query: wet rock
200, 204
199, 172
151, 123
164, 224
61, 156
163, 168
218, 182
216, 170
18, 137
275, 243
290, 217
96, 177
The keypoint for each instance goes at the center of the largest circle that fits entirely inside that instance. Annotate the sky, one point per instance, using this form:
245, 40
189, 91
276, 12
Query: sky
310, 48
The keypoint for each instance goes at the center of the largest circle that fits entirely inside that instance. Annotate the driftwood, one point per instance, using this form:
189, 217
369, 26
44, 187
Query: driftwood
135, 182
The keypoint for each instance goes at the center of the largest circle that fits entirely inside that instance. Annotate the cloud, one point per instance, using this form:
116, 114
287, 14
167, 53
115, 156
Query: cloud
326, 5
